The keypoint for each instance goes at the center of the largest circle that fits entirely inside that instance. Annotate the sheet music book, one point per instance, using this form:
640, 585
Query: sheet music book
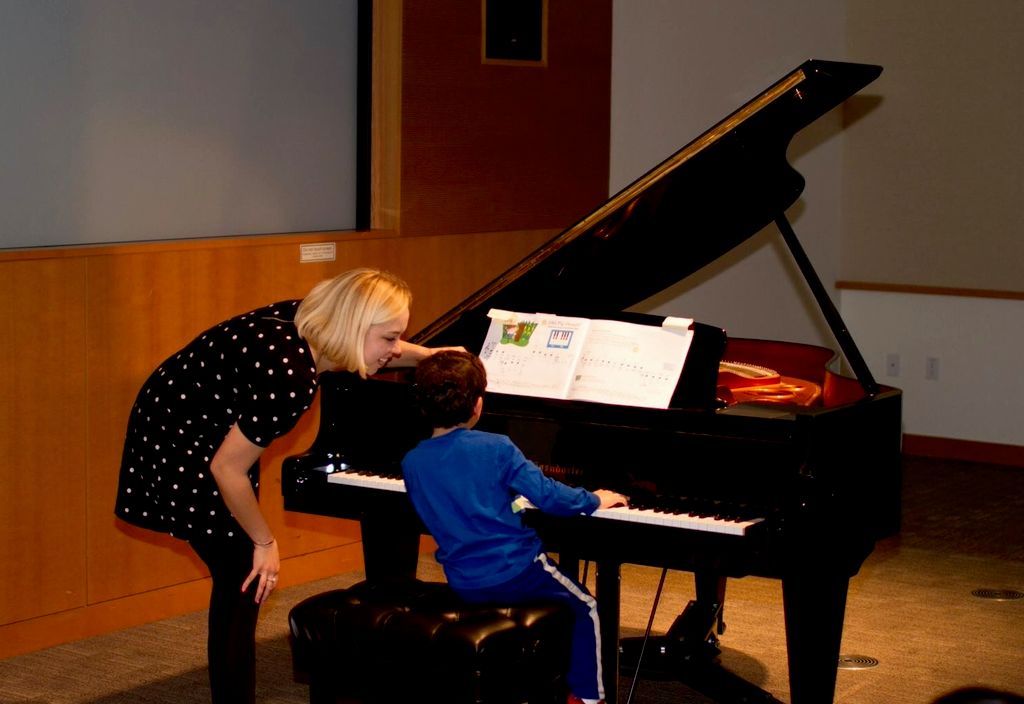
604, 361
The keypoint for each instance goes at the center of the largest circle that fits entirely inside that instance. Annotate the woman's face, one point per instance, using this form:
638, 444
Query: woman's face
381, 343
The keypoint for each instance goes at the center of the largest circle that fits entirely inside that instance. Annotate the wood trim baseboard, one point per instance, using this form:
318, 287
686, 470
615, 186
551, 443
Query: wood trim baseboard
34, 634
104, 617
191, 245
929, 290
964, 450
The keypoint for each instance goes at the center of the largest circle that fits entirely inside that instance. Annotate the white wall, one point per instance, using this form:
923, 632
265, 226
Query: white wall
934, 178
979, 392
677, 69
680, 67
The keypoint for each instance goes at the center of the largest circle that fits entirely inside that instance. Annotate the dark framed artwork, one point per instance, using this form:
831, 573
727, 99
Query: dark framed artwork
515, 31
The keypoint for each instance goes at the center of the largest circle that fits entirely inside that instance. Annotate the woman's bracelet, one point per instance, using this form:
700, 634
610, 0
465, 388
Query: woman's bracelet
266, 544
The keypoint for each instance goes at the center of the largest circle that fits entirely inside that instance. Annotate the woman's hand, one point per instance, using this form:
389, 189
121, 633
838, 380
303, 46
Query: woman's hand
266, 564
434, 350
610, 499
230, 467
409, 353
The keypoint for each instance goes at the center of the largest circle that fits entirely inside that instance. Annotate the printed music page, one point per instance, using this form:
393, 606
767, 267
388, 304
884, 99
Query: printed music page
603, 361
532, 355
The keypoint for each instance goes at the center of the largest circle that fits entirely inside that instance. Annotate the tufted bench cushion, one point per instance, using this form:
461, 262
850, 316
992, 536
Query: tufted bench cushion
416, 641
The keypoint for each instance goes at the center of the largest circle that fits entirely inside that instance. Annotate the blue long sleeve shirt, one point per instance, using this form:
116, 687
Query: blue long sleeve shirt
463, 483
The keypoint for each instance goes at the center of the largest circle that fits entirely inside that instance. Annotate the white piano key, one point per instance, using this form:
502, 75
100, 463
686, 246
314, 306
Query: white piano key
368, 481
671, 520
619, 513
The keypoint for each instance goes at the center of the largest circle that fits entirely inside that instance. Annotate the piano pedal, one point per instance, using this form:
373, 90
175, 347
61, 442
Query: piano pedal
662, 659
691, 641
699, 622
689, 653
696, 666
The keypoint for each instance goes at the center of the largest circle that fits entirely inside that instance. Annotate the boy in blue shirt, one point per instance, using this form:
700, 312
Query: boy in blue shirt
462, 483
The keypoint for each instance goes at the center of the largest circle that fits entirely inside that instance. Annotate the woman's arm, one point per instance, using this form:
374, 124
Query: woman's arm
230, 467
412, 353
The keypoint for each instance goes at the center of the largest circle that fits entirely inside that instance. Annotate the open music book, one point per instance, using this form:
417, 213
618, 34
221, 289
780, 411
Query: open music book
605, 361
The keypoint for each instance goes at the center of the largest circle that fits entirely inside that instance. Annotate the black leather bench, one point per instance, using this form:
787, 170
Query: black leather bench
416, 641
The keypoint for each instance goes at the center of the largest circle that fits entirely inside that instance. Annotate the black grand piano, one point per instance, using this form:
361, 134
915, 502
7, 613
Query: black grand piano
815, 475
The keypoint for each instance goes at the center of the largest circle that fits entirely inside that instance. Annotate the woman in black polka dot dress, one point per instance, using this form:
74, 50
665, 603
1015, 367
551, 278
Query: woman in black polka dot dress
190, 466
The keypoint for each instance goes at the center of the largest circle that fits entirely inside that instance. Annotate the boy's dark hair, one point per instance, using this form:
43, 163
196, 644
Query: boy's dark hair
448, 383
979, 695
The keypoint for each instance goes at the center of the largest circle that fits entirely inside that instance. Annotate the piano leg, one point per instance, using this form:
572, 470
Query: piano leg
710, 589
391, 546
815, 606
608, 592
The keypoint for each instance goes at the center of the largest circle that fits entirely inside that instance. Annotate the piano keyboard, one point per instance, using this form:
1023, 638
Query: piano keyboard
628, 514
367, 481
709, 524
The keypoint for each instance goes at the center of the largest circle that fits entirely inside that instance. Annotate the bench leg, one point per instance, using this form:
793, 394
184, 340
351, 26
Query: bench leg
320, 689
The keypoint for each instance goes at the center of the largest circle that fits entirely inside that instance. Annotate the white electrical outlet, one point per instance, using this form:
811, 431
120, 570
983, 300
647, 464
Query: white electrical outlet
931, 368
892, 364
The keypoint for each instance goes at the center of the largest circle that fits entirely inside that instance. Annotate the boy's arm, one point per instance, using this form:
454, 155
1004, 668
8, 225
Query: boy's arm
550, 495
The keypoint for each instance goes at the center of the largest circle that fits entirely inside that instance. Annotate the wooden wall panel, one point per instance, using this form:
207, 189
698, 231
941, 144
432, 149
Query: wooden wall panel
82, 329
102, 617
502, 147
482, 164
142, 308
42, 437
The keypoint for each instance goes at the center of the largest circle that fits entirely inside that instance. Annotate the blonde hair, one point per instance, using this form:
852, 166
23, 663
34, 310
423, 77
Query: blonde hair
336, 315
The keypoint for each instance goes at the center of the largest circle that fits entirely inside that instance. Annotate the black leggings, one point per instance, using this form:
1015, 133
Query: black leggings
231, 632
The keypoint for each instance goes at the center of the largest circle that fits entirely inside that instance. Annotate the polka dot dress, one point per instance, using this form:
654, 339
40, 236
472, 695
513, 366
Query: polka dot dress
253, 370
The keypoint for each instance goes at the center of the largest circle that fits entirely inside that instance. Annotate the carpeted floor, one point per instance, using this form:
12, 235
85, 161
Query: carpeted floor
911, 610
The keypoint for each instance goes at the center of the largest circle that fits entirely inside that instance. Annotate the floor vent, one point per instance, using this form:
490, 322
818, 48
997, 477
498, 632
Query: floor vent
856, 662
998, 594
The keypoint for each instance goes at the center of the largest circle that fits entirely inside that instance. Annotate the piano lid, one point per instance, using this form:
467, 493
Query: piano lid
694, 207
